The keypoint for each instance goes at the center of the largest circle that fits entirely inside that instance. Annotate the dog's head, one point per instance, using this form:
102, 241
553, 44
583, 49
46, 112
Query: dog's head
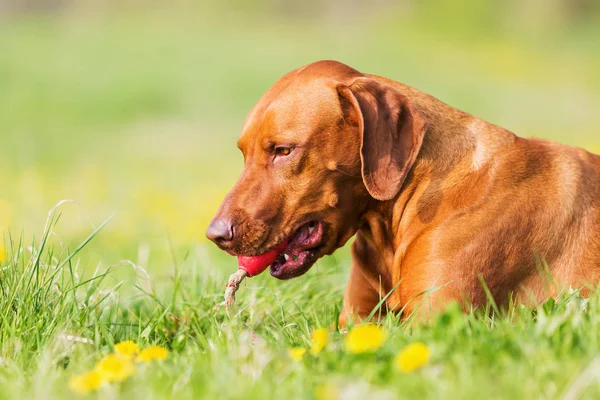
321, 144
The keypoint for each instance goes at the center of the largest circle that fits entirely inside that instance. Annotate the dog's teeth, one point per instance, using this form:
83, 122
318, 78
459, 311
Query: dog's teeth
311, 229
286, 257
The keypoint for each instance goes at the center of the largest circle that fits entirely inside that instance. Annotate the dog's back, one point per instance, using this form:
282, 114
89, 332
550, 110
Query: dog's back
522, 215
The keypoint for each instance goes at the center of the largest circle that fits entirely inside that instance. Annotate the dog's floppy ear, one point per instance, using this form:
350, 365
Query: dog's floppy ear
391, 132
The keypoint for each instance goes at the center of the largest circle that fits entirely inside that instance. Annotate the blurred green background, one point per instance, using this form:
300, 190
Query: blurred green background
134, 107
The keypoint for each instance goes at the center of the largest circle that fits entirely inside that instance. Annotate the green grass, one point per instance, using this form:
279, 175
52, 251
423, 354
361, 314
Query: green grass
137, 113
47, 299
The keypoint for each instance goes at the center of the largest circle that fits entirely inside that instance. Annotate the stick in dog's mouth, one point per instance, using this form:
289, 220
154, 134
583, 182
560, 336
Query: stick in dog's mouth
233, 284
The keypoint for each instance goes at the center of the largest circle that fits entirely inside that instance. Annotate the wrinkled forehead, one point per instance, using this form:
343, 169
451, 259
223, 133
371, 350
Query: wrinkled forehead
301, 108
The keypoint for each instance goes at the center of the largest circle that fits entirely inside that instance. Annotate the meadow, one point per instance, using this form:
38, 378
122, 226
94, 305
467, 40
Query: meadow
118, 135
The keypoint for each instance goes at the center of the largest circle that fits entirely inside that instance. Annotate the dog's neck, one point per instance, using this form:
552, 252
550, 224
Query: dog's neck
453, 138
456, 146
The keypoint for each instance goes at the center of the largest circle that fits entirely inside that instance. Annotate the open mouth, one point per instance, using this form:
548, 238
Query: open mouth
300, 253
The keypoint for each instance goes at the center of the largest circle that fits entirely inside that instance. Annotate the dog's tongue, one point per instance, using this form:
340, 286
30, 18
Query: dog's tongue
257, 264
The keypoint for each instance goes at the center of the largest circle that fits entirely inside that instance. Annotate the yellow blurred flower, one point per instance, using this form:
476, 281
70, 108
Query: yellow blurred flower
365, 338
153, 353
297, 353
115, 368
128, 348
85, 383
3, 252
327, 391
412, 357
319, 339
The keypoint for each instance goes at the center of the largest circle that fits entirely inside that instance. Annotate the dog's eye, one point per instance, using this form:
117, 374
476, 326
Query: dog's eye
282, 151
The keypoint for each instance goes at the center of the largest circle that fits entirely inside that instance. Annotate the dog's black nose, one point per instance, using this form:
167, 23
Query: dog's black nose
220, 231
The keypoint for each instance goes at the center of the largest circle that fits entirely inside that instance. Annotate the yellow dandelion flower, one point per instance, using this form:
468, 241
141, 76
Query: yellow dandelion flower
153, 353
85, 383
115, 368
128, 348
297, 353
319, 339
327, 391
412, 357
365, 338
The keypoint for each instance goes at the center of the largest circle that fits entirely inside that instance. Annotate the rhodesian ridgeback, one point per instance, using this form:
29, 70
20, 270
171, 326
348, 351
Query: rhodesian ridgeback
443, 205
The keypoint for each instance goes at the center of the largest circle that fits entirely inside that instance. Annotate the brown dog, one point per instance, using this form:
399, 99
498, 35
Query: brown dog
437, 198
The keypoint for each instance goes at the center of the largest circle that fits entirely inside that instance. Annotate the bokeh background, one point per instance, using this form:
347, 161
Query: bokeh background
134, 107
